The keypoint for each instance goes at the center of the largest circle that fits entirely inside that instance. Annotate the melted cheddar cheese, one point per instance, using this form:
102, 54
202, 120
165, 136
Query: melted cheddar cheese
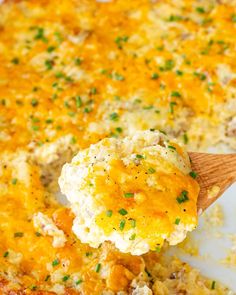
135, 192
75, 72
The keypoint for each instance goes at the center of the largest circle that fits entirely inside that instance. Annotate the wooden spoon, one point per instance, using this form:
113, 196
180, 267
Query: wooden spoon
215, 174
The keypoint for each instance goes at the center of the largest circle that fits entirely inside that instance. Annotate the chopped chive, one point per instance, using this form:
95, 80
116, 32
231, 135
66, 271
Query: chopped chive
206, 21
148, 107
49, 121
59, 75
193, 174
172, 104
58, 36
33, 288
14, 181
69, 79
114, 117
112, 134
78, 101
5, 254
79, 282
51, 49
73, 140
109, 213
87, 254
133, 223
78, 61
55, 262
47, 278
139, 156
132, 237
179, 73
120, 41
169, 65
175, 94
38, 234
18, 235
34, 102
200, 10
147, 272
123, 212
118, 77
177, 221
93, 90
162, 131
122, 224
213, 285
201, 76
49, 64
87, 110
185, 138
71, 114
160, 48
183, 197
158, 249
233, 18
116, 97
171, 147
137, 100
119, 129
151, 170
154, 76
40, 35
65, 278
98, 267
128, 195
15, 60
174, 18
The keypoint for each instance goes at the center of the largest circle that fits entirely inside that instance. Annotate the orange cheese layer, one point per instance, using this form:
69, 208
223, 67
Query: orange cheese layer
136, 192
147, 205
105, 51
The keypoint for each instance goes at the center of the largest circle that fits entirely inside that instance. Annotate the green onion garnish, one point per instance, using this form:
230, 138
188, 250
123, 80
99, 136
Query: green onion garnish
109, 213
133, 223
128, 195
114, 117
14, 181
18, 235
213, 285
132, 237
55, 262
151, 170
139, 156
65, 278
98, 267
122, 224
122, 211
183, 197
177, 221
193, 174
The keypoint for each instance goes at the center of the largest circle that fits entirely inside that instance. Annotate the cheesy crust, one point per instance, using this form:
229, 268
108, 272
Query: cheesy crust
135, 192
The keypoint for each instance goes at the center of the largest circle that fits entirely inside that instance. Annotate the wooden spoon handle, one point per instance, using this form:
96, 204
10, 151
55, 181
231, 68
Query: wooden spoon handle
215, 174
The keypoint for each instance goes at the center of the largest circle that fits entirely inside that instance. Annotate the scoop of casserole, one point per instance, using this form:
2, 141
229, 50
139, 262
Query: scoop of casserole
136, 192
